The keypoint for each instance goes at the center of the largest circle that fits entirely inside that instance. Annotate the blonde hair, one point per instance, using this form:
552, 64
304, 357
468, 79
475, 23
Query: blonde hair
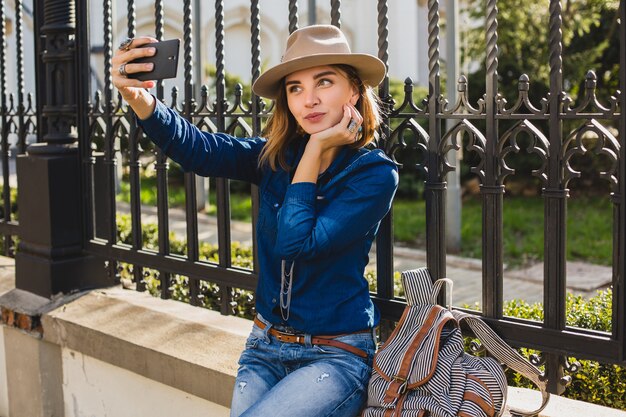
282, 129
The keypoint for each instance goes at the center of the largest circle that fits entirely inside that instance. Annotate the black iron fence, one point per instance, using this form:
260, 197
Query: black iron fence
491, 129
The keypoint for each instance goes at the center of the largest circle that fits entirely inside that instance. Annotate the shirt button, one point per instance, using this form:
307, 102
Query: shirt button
274, 300
276, 205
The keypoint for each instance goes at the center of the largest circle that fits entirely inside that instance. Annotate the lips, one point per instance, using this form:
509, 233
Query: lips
314, 117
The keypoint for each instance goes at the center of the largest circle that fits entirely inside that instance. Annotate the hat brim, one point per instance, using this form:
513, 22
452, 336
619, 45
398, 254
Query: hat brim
370, 69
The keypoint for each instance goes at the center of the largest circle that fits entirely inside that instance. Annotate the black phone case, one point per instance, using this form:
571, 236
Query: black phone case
165, 61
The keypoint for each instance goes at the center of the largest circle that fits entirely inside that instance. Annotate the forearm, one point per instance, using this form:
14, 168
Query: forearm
309, 165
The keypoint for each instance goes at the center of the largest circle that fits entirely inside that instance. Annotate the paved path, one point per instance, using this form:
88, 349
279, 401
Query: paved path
526, 284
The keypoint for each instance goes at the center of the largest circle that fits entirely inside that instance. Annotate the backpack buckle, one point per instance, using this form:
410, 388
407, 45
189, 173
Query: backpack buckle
403, 383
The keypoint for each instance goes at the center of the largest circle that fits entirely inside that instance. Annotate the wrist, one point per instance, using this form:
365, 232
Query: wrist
142, 103
315, 148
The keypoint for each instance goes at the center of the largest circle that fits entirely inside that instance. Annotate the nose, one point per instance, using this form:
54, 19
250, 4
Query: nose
311, 99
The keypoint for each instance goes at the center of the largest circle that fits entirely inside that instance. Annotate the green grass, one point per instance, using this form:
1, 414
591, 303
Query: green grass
589, 228
240, 204
589, 223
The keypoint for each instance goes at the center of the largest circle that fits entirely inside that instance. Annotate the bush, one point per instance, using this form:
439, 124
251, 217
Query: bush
597, 383
594, 382
209, 294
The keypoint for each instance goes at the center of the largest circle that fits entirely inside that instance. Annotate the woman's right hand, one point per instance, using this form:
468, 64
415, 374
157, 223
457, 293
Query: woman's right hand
130, 88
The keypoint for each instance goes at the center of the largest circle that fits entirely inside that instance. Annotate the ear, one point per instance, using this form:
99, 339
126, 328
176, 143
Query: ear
354, 98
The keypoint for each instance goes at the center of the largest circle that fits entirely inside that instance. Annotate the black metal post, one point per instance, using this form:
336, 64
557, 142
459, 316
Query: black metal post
619, 296
50, 256
4, 133
293, 15
256, 109
492, 191
384, 239
335, 13
191, 205
222, 184
555, 214
435, 188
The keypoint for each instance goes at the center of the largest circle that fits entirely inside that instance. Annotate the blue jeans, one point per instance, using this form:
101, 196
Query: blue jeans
277, 379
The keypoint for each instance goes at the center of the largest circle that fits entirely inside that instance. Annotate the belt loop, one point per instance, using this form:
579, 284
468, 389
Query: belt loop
307, 340
266, 330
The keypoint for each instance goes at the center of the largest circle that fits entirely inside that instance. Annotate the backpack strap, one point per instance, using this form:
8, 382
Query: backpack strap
399, 382
507, 355
419, 288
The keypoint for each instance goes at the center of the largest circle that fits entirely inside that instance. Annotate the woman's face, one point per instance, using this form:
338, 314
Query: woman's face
316, 97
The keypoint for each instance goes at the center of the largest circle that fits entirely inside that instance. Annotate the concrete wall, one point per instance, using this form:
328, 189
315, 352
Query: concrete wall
114, 352
97, 389
4, 394
121, 353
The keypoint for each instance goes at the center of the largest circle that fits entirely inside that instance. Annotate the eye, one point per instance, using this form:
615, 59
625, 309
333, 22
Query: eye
294, 89
324, 82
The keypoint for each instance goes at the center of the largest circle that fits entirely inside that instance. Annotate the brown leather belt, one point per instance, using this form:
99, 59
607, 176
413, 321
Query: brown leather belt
315, 340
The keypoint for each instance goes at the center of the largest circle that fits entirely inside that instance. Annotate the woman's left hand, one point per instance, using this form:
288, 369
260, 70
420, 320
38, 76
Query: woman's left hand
343, 133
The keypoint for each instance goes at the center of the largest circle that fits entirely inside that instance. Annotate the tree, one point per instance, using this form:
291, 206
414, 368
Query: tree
590, 42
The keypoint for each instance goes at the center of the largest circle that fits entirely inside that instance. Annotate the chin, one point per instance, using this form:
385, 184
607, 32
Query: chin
311, 130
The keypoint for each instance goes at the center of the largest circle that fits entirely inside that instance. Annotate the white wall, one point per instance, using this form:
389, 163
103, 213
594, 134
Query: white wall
92, 388
407, 26
4, 395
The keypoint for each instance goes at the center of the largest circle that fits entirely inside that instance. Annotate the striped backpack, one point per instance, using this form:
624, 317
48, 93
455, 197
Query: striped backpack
423, 371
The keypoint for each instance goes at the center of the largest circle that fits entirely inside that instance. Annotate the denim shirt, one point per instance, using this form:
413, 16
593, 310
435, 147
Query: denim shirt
326, 229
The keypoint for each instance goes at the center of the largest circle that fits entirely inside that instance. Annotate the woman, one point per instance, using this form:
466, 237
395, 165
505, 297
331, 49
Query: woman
322, 199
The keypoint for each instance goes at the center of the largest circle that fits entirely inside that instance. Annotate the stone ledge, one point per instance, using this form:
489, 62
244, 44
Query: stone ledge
23, 310
526, 399
188, 348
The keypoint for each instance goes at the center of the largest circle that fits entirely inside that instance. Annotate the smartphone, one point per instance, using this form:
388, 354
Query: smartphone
165, 61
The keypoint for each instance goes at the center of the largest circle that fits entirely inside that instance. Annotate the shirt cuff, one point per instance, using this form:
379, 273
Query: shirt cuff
301, 191
159, 117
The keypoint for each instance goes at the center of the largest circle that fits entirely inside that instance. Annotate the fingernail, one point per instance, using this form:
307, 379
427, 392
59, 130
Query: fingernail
152, 50
150, 66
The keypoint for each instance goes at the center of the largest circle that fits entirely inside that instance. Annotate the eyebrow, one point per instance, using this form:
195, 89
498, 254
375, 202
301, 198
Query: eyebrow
315, 77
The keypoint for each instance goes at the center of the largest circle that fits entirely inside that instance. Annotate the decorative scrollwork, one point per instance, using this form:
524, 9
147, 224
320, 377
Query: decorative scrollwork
207, 125
522, 100
477, 143
174, 105
606, 144
121, 129
477, 348
462, 103
239, 123
30, 108
97, 131
590, 102
537, 359
571, 367
203, 106
239, 104
97, 105
397, 141
539, 145
408, 102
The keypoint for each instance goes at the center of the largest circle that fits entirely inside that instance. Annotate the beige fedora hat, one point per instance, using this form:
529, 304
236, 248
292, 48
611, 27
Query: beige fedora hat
317, 45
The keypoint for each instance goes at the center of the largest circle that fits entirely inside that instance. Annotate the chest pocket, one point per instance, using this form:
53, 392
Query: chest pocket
268, 214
